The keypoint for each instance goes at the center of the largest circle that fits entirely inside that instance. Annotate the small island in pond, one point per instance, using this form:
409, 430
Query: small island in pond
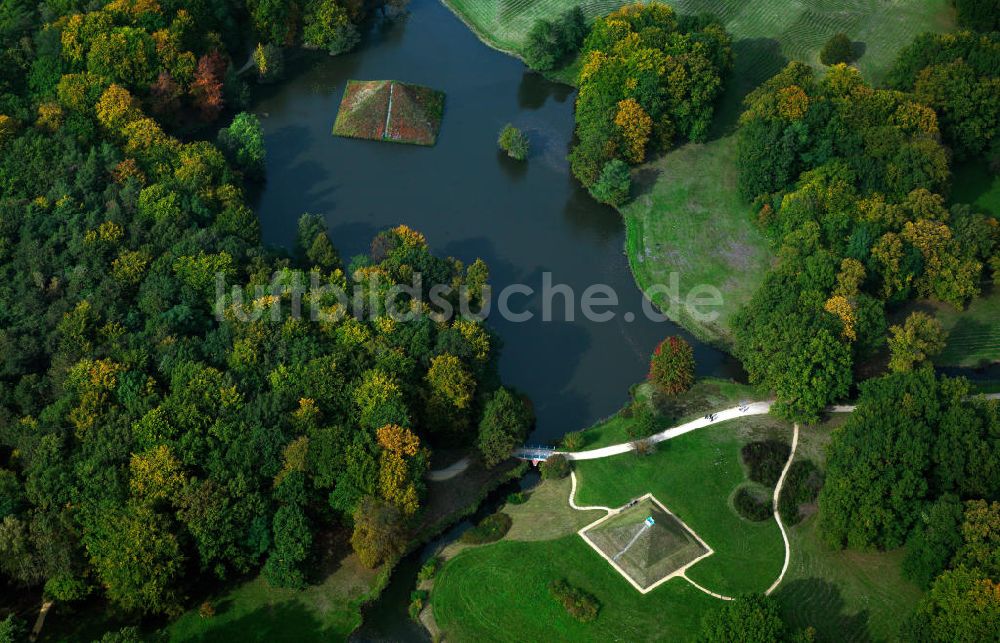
388, 110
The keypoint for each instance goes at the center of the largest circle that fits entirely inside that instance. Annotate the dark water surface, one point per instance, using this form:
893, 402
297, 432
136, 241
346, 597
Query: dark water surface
523, 219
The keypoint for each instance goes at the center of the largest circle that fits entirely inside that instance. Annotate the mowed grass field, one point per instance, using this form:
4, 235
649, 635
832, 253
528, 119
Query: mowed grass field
686, 216
973, 333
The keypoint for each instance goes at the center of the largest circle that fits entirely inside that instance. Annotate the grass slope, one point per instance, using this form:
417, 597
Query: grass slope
688, 220
255, 611
799, 28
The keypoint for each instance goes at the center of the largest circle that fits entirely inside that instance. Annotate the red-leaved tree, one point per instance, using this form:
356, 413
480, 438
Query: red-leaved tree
671, 368
207, 86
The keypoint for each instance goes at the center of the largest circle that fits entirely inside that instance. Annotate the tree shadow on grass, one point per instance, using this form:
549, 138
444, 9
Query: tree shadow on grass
288, 621
643, 180
817, 603
754, 61
858, 49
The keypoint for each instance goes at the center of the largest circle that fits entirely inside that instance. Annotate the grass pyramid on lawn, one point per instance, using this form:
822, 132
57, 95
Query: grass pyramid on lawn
388, 110
659, 551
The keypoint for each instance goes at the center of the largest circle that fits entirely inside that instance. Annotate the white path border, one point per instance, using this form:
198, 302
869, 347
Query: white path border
679, 572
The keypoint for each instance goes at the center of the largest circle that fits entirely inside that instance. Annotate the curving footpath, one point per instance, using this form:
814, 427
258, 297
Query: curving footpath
777, 514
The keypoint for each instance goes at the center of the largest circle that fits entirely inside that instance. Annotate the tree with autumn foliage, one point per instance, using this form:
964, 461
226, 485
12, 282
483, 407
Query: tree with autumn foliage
206, 90
671, 369
647, 77
402, 464
379, 532
912, 345
634, 126
449, 400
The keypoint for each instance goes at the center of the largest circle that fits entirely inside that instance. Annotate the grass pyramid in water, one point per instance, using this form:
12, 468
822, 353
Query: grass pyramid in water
388, 110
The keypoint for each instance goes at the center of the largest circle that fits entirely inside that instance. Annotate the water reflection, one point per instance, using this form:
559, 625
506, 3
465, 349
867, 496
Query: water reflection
523, 219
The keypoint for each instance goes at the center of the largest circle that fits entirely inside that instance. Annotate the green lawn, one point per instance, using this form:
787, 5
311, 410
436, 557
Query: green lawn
500, 593
694, 476
974, 334
255, 611
688, 219
799, 28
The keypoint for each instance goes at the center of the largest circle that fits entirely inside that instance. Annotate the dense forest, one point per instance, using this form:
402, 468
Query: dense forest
850, 183
173, 405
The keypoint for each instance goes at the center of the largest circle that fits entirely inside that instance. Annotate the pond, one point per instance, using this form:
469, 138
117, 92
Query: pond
523, 219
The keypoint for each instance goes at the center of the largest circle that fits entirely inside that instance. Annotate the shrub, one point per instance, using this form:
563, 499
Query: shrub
802, 486
551, 42
514, 142
269, 61
429, 570
418, 598
206, 610
516, 498
751, 506
573, 441
581, 605
644, 421
643, 447
671, 368
491, 529
838, 49
751, 617
556, 467
11, 629
613, 184
765, 460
